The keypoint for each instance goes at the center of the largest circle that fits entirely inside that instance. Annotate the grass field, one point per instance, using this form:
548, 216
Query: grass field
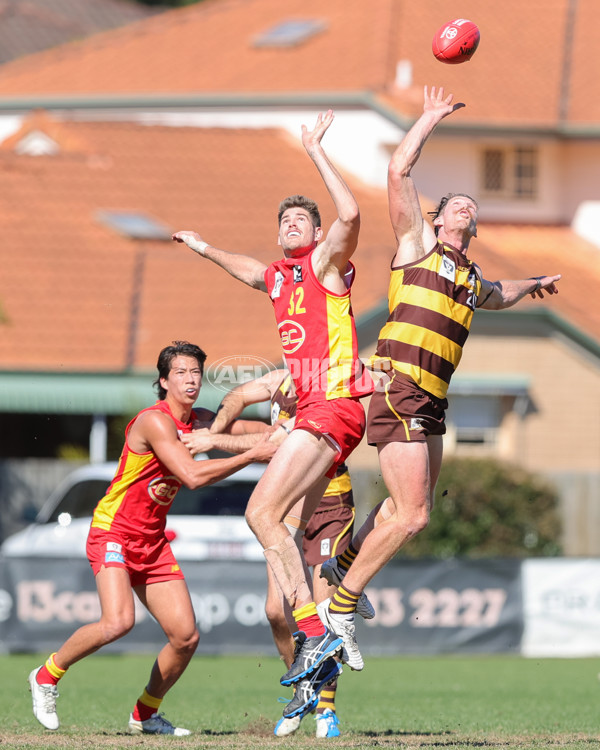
409, 702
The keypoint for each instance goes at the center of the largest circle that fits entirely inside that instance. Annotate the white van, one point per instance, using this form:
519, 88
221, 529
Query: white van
203, 524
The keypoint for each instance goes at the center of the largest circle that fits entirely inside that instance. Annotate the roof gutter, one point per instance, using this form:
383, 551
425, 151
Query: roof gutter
319, 100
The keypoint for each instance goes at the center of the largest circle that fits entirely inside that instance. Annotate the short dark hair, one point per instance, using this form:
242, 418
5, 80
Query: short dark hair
442, 205
166, 357
300, 201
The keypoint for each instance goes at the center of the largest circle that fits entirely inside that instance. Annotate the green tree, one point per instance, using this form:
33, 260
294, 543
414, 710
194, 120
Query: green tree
484, 508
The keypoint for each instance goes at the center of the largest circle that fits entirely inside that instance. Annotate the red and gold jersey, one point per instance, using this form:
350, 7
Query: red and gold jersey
431, 304
139, 497
317, 331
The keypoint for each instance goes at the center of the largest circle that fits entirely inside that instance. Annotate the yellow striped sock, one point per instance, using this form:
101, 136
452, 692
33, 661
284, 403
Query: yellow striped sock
326, 699
306, 611
343, 602
150, 700
347, 557
53, 667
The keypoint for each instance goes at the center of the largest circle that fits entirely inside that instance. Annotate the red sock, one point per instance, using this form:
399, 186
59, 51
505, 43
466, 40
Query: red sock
44, 677
308, 620
146, 706
142, 712
49, 673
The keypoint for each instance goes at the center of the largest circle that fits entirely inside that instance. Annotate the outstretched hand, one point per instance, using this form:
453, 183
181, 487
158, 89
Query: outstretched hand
192, 240
441, 105
312, 138
547, 284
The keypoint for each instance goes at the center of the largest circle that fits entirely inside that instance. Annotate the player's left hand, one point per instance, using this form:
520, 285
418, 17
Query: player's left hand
547, 284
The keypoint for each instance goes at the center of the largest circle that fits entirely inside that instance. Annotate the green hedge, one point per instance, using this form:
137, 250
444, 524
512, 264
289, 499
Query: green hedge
484, 508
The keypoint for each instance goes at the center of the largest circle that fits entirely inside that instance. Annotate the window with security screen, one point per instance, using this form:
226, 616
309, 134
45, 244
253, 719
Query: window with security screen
511, 173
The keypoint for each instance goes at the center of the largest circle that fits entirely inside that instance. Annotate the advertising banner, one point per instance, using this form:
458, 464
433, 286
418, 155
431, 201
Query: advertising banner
562, 607
422, 607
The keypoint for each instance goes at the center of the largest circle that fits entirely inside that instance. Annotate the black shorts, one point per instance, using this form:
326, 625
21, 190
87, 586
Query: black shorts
401, 412
329, 530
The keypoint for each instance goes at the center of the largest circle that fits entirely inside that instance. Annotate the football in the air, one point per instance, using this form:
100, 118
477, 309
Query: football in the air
456, 41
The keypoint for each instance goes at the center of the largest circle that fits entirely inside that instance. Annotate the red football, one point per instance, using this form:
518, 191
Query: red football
456, 41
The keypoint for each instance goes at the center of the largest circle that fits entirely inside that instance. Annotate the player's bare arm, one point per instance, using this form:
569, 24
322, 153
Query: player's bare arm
242, 267
156, 432
414, 236
201, 441
253, 392
331, 257
498, 295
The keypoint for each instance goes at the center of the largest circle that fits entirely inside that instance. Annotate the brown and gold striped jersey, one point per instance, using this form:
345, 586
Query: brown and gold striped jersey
431, 303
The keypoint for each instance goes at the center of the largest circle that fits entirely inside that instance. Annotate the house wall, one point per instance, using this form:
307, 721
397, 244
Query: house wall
453, 164
561, 431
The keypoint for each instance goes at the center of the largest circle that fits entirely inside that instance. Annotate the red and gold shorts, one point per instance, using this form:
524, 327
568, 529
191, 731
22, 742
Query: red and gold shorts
341, 421
146, 559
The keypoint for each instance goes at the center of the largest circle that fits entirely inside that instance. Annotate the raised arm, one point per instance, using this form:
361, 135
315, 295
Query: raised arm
252, 392
414, 236
242, 267
341, 239
498, 295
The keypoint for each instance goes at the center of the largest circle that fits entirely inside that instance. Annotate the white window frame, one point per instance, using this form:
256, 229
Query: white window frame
519, 177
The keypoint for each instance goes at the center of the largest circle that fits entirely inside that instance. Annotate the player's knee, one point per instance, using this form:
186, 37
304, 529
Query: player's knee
257, 519
418, 521
117, 627
185, 642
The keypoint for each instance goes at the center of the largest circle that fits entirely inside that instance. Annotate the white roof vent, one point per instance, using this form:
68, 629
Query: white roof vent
134, 224
290, 33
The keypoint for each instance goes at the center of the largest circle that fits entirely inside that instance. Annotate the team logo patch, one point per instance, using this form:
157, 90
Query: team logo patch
325, 547
114, 553
316, 425
277, 285
175, 568
416, 423
448, 269
292, 336
164, 489
297, 274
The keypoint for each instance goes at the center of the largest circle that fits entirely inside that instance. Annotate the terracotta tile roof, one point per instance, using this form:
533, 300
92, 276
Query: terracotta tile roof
72, 289
28, 26
521, 251
535, 65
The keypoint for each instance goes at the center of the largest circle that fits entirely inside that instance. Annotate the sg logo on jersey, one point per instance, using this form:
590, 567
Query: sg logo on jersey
164, 489
292, 336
